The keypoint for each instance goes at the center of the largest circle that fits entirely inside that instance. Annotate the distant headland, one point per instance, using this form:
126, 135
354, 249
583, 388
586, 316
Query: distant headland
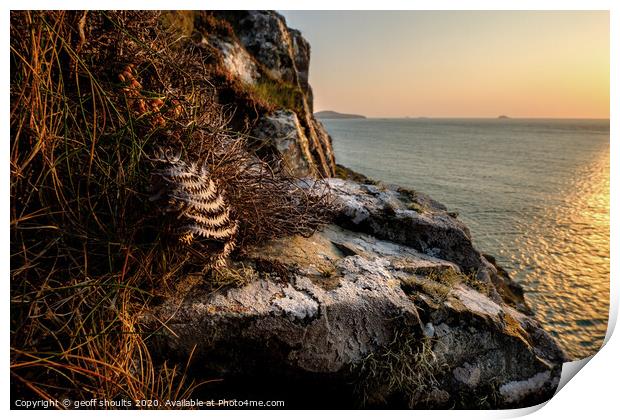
503, 117
333, 115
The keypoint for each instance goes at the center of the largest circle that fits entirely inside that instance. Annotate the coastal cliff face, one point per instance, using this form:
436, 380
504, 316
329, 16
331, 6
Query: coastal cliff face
269, 62
389, 306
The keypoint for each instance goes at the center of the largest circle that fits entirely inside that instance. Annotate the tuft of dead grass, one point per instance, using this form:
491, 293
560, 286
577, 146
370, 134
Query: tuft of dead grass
232, 276
434, 282
438, 283
406, 368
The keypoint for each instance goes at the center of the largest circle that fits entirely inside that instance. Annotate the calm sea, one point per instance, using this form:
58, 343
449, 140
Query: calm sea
535, 193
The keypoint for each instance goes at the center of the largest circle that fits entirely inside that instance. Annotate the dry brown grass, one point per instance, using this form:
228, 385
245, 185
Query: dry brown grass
438, 283
88, 249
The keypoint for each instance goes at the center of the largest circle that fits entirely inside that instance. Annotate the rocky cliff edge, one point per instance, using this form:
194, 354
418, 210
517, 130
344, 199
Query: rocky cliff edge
391, 306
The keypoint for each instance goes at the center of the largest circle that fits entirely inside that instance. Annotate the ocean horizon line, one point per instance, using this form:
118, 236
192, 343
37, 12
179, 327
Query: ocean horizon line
479, 118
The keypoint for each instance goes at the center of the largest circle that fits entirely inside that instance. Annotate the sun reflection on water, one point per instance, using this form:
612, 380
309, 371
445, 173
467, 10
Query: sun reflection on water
568, 279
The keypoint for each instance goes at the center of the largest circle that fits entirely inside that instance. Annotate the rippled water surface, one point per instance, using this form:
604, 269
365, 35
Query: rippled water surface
535, 193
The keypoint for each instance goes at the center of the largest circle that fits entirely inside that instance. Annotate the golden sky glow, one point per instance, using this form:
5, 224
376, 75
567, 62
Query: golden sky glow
459, 63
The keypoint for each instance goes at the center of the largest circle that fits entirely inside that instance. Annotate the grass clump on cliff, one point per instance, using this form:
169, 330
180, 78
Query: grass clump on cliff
93, 96
401, 373
434, 282
349, 174
280, 94
438, 283
263, 95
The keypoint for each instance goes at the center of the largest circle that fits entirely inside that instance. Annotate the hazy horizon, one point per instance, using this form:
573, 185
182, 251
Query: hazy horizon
457, 117
458, 64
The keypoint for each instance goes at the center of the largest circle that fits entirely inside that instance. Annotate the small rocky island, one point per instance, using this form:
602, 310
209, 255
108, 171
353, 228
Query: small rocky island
387, 305
333, 115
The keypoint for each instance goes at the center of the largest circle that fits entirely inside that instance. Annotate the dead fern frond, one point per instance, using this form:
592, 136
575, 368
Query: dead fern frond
203, 216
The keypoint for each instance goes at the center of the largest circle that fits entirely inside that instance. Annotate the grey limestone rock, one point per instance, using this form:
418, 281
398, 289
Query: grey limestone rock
284, 131
347, 298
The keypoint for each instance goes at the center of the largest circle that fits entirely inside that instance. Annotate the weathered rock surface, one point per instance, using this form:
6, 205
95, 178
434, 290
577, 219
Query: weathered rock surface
416, 220
345, 316
281, 50
263, 51
285, 132
237, 61
404, 217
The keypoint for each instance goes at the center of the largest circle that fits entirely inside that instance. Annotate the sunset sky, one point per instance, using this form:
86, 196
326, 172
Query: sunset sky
459, 63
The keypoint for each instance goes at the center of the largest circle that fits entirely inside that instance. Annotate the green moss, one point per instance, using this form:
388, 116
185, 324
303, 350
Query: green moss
278, 94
